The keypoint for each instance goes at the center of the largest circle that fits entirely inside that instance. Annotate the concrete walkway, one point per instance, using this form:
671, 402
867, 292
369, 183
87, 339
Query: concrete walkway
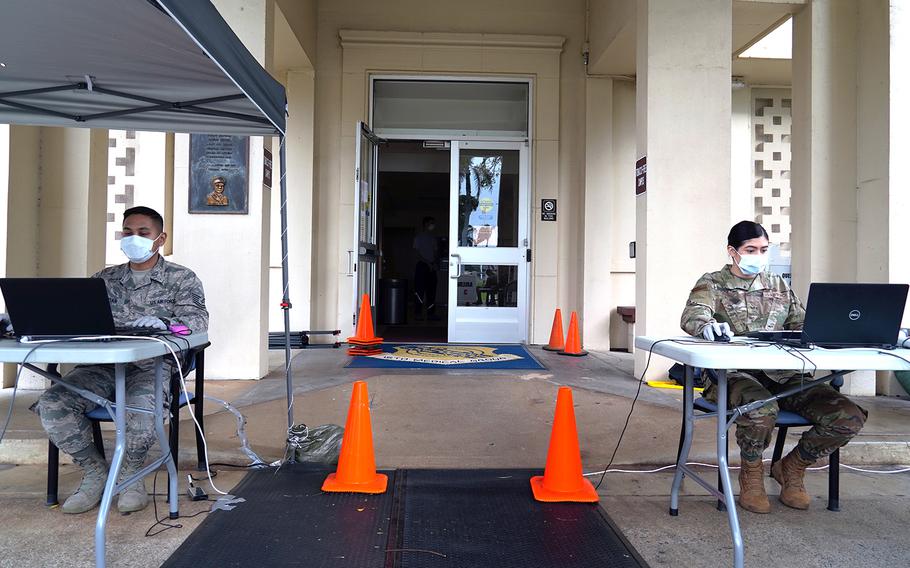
480, 419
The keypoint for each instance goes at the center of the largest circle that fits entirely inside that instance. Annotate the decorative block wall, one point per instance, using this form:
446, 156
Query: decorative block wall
771, 122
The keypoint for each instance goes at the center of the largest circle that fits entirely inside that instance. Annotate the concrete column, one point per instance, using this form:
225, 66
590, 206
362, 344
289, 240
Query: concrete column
888, 206
824, 175
20, 148
73, 207
683, 123
598, 210
899, 146
841, 188
65, 171
230, 253
300, 144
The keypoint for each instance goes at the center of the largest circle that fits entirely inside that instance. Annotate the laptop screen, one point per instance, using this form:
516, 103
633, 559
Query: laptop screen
58, 306
854, 314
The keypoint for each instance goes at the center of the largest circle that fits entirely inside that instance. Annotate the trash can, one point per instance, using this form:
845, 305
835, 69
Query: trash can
393, 301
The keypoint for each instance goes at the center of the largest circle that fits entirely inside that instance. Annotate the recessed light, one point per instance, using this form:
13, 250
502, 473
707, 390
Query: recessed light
2, 64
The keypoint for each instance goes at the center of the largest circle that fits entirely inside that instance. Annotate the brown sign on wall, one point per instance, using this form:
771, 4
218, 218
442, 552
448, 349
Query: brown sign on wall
641, 175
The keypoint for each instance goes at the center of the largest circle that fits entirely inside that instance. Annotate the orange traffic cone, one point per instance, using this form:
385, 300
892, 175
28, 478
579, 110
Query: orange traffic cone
557, 342
356, 471
363, 335
562, 479
573, 339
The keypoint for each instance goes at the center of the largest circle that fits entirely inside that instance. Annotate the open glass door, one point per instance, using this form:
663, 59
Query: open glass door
488, 236
365, 249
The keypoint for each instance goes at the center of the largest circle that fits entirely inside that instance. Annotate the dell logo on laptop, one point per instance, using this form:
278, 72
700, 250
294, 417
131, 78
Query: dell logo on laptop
854, 315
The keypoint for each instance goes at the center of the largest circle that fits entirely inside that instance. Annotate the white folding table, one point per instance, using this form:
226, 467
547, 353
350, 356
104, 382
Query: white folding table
118, 353
745, 354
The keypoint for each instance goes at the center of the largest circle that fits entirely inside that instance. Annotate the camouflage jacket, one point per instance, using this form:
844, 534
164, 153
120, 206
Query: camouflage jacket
171, 292
762, 303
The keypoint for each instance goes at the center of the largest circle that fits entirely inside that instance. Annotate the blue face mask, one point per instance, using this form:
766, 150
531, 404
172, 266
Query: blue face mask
137, 249
752, 263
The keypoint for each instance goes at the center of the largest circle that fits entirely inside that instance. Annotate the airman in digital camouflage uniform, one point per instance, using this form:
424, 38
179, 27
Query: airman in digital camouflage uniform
743, 297
147, 291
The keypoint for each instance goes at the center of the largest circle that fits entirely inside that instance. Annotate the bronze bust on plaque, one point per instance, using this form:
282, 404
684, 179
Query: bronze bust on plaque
217, 196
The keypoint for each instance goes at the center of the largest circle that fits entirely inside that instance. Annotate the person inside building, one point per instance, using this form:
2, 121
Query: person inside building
147, 291
741, 297
425, 277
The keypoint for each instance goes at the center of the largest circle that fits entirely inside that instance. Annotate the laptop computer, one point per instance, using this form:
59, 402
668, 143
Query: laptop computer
847, 315
60, 308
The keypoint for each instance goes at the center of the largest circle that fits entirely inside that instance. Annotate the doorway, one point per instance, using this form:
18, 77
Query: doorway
412, 232
442, 210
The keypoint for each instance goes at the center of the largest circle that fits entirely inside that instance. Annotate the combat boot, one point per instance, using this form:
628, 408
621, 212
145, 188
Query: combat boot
752, 496
789, 472
135, 497
94, 476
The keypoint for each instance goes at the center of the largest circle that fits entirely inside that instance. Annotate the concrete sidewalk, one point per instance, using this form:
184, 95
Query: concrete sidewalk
485, 419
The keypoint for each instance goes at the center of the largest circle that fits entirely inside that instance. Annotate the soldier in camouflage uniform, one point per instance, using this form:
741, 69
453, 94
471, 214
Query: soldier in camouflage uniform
148, 291
746, 298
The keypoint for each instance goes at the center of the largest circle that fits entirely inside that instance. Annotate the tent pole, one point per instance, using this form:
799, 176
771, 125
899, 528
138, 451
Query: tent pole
285, 299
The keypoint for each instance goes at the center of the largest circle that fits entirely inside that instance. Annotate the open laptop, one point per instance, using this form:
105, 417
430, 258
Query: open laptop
847, 315
60, 308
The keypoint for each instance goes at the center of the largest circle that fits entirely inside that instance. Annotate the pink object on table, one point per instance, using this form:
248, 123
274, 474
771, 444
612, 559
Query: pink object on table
179, 330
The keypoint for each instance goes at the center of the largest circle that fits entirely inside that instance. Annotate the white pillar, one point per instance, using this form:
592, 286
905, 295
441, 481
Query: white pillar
300, 143
230, 253
598, 210
684, 116
824, 176
72, 215
899, 147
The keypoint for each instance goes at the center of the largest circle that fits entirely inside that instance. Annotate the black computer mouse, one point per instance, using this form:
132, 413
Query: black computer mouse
722, 338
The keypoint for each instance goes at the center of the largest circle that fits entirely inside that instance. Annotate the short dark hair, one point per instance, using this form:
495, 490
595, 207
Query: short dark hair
428, 220
148, 212
744, 231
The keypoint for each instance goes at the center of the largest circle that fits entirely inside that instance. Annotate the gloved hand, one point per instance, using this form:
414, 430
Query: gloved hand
903, 338
149, 321
715, 329
6, 325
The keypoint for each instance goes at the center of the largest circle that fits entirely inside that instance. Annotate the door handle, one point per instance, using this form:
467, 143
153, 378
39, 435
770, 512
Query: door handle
350, 263
456, 264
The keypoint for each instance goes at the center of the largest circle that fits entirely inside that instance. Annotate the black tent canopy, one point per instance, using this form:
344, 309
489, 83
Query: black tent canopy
160, 65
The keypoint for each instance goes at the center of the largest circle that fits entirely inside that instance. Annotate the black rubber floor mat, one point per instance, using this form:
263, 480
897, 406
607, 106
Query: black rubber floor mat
288, 521
488, 518
426, 519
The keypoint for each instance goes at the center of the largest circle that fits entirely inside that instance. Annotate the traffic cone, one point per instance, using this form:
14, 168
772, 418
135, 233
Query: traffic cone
573, 339
562, 479
356, 471
557, 338
364, 335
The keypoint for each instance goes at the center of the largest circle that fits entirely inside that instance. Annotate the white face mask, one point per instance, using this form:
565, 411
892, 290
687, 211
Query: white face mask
137, 249
752, 263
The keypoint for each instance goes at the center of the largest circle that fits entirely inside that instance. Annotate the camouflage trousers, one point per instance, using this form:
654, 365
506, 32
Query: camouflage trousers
62, 411
835, 418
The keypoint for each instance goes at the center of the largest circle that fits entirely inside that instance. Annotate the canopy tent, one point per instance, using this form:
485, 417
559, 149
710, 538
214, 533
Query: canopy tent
161, 65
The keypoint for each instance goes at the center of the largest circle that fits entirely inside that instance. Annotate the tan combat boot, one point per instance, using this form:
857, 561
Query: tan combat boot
135, 497
752, 496
94, 476
789, 472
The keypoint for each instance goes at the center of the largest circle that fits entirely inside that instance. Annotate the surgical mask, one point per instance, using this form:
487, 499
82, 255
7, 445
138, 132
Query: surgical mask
137, 249
752, 263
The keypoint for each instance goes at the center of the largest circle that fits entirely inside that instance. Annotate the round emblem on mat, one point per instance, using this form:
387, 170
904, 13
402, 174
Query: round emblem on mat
854, 315
446, 354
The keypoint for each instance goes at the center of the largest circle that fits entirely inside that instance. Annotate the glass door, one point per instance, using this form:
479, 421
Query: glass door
489, 249
365, 251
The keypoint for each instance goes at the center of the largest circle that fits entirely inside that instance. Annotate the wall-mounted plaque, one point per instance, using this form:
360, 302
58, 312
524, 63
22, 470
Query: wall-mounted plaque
219, 174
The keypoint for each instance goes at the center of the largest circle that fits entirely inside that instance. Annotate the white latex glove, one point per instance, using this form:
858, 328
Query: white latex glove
149, 321
5, 323
713, 330
903, 338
